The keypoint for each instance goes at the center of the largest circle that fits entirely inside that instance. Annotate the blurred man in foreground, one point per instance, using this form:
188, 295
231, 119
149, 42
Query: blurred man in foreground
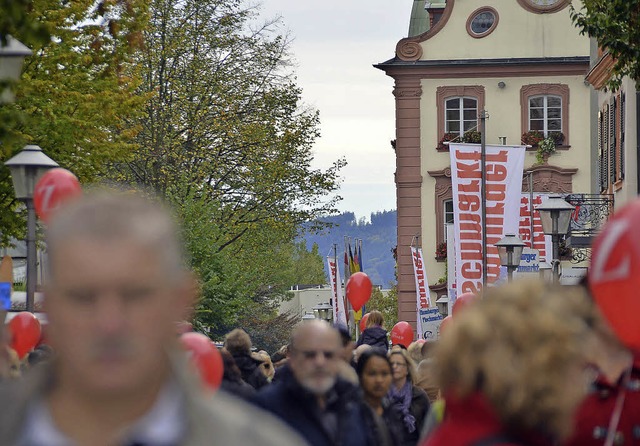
116, 287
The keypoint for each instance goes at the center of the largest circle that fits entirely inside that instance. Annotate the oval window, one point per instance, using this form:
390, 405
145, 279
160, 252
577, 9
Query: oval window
482, 22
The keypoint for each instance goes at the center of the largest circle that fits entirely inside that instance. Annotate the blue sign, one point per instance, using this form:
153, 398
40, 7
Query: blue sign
5, 295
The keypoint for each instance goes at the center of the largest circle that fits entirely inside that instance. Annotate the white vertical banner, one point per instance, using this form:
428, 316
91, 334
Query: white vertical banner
427, 316
504, 166
336, 292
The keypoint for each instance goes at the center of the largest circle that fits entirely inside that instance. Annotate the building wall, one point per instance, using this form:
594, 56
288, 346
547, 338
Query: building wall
517, 52
519, 33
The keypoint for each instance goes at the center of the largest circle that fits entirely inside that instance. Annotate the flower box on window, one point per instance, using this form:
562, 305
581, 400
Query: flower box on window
441, 251
446, 138
472, 137
532, 138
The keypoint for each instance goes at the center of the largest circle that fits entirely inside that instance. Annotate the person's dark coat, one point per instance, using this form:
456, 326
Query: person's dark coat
250, 370
238, 388
298, 407
375, 336
419, 408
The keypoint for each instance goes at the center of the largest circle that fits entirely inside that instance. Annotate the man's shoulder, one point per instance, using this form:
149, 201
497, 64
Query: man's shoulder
230, 420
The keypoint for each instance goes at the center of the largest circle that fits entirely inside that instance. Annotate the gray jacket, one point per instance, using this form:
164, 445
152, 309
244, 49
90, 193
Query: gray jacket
218, 419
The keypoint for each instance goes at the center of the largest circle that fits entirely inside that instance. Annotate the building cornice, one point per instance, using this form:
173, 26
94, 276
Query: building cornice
601, 72
483, 68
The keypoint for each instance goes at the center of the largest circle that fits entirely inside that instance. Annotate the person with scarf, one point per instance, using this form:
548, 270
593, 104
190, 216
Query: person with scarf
411, 401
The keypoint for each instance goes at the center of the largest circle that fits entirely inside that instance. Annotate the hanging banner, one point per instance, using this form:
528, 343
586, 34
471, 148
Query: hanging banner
504, 166
336, 292
541, 242
427, 316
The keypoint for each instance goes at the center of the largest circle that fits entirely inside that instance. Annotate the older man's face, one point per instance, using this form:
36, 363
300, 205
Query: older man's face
315, 357
111, 311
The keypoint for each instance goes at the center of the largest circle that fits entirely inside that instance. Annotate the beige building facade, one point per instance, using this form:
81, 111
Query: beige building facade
524, 64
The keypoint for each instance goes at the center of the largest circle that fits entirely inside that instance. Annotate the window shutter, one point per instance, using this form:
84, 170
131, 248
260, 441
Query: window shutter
601, 152
623, 101
605, 149
612, 141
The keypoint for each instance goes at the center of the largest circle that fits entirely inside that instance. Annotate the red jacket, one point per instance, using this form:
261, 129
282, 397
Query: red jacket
593, 415
467, 422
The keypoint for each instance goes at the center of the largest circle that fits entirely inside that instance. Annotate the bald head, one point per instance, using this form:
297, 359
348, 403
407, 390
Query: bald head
309, 329
314, 356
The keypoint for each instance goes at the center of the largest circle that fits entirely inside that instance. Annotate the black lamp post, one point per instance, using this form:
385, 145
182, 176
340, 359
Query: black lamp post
555, 215
26, 169
510, 251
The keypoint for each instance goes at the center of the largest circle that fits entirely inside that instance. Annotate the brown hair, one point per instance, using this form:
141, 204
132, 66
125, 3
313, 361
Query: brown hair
237, 341
375, 318
518, 346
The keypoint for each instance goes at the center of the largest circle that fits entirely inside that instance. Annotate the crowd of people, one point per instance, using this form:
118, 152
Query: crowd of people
526, 364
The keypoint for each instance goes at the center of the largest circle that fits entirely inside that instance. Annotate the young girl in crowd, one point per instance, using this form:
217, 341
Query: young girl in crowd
374, 335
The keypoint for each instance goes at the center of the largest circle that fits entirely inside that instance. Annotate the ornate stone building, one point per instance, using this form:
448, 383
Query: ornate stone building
524, 63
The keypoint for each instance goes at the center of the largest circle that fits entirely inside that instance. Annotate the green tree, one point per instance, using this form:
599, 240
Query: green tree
308, 266
76, 92
615, 24
385, 303
226, 138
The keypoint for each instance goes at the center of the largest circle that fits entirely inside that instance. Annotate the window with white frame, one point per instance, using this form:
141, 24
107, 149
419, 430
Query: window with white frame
545, 114
447, 206
461, 115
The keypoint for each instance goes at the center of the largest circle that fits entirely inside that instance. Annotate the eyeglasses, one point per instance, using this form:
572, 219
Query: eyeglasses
398, 364
312, 354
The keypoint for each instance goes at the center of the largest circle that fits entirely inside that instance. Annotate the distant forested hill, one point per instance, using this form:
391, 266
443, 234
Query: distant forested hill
379, 238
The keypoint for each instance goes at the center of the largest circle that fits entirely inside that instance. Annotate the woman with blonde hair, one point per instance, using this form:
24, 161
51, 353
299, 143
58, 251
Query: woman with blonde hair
407, 399
374, 335
510, 368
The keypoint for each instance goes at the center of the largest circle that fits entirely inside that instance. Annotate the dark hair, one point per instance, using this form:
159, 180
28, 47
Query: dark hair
345, 336
231, 370
367, 355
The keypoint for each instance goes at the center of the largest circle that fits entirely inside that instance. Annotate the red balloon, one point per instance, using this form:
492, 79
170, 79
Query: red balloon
54, 188
445, 322
402, 334
614, 275
25, 332
463, 301
205, 356
358, 290
363, 322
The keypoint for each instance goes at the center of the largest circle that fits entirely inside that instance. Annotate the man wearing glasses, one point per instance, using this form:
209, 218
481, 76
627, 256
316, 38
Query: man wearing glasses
311, 397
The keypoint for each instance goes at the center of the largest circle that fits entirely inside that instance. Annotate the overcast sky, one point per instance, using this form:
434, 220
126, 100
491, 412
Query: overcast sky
336, 42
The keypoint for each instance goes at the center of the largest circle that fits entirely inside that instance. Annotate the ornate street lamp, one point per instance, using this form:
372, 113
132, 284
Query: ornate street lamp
11, 59
323, 311
555, 215
26, 169
510, 251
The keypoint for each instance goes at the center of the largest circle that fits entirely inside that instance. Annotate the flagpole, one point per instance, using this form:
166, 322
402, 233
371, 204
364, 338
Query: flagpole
336, 284
483, 191
349, 314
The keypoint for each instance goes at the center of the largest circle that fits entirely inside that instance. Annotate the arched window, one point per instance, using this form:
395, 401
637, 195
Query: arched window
545, 114
461, 115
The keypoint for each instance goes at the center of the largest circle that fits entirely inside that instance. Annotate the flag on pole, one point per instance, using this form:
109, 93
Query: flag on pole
339, 315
